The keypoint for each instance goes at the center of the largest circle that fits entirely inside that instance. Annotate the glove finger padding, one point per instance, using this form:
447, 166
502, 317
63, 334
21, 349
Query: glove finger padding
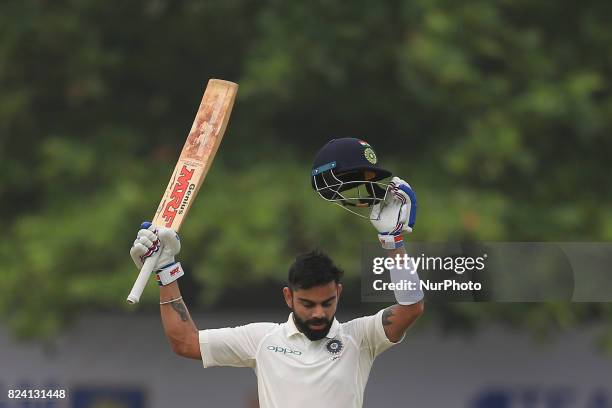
170, 241
136, 252
145, 241
389, 216
151, 239
145, 245
375, 213
148, 233
411, 205
168, 270
401, 217
397, 213
403, 189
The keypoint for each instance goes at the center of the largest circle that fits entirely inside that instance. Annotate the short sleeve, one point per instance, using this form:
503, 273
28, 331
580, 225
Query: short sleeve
369, 331
233, 346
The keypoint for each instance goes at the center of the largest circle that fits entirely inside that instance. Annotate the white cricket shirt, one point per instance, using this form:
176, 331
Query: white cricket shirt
293, 371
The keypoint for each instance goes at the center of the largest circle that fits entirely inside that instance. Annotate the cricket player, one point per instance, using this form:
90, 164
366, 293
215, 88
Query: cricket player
311, 360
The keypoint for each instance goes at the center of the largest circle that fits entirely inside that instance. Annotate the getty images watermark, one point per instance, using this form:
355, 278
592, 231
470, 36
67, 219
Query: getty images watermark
404, 262
490, 271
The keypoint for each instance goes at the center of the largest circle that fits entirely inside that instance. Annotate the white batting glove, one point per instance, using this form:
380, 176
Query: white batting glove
396, 214
151, 239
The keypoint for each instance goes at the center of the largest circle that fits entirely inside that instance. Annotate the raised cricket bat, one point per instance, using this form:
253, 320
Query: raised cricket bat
193, 164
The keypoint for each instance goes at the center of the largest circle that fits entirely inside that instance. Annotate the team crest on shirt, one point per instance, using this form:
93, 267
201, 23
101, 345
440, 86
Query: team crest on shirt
334, 346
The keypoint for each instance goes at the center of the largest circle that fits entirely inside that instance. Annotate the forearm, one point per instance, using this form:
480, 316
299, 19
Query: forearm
399, 317
391, 218
405, 272
391, 253
180, 329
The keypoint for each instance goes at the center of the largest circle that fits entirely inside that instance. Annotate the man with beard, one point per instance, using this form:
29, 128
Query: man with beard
311, 360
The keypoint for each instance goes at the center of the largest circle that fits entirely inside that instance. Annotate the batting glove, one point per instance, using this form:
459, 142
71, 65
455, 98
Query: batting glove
151, 239
396, 214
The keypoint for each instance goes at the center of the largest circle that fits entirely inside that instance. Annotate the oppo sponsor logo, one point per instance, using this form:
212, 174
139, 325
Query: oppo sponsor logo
284, 350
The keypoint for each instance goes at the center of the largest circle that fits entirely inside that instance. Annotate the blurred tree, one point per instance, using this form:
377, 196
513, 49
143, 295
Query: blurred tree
498, 113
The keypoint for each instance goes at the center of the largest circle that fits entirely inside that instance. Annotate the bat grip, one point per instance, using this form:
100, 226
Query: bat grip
143, 277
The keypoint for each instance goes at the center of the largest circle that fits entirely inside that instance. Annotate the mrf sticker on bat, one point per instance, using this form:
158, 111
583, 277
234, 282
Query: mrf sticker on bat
179, 197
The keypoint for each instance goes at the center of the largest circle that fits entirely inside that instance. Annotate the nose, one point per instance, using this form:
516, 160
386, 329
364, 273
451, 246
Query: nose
318, 313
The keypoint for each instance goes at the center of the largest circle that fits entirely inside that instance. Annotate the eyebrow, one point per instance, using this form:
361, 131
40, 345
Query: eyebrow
310, 301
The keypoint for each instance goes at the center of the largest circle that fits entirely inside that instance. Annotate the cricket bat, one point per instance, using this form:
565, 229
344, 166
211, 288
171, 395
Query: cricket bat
193, 164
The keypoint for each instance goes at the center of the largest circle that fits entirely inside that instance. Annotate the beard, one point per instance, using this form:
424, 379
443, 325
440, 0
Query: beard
313, 335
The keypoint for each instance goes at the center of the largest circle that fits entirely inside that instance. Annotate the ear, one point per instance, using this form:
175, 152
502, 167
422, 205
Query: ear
339, 290
288, 294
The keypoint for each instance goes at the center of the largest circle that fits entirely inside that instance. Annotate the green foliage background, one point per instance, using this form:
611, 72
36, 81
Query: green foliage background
498, 113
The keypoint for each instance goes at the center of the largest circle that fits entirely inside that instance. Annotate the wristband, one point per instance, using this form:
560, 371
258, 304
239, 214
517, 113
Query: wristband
391, 241
408, 280
169, 274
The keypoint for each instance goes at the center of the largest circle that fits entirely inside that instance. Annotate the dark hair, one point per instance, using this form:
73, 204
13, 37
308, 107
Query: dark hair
313, 269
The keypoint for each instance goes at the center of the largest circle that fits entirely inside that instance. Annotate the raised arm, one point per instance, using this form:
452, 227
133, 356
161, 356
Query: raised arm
398, 318
178, 325
392, 218
180, 330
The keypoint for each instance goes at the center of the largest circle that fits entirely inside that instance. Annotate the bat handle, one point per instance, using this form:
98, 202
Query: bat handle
143, 277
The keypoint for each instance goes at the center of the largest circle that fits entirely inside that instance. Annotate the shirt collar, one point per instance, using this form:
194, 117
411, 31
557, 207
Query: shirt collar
291, 329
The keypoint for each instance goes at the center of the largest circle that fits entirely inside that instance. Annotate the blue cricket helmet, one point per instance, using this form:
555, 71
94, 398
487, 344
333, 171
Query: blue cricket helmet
346, 164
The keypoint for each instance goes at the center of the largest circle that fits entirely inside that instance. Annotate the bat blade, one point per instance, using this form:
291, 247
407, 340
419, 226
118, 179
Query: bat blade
193, 164
198, 153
